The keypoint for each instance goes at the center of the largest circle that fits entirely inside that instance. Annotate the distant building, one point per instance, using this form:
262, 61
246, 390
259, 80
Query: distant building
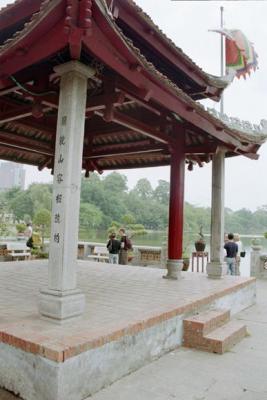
11, 175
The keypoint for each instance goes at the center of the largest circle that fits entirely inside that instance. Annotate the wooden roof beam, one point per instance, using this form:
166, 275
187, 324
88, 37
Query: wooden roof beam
139, 96
31, 74
19, 113
9, 88
101, 102
138, 126
159, 45
135, 165
35, 124
21, 161
121, 146
127, 156
123, 152
24, 141
201, 149
50, 100
111, 134
161, 94
25, 149
40, 49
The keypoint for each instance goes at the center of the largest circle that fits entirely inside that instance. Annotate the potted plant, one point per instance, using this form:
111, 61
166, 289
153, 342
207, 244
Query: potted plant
200, 243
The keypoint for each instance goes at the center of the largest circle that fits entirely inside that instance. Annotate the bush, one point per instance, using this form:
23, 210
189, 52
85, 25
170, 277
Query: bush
21, 228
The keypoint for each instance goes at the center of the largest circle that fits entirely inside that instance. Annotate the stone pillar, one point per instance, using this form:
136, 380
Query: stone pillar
216, 268
62, 300
257, 260
176, 212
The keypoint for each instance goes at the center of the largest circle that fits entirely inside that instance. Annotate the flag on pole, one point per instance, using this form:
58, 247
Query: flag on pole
240, 54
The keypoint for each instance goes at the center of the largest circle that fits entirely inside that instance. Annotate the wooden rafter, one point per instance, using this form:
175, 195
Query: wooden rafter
138, 126
19, 112
23, 149
37, 124
159, 46
122, 153
19, 140
121, 146
166, 98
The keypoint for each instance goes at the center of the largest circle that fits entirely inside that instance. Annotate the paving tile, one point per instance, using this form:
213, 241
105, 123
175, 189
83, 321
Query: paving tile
119, 299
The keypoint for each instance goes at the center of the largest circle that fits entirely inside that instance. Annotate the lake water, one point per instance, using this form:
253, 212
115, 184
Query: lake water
156, 238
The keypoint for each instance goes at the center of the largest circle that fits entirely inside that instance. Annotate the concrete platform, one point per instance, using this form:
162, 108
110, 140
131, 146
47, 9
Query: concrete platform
132, 317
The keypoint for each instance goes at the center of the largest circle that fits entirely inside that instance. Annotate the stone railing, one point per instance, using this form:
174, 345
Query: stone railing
258, 262
142, 255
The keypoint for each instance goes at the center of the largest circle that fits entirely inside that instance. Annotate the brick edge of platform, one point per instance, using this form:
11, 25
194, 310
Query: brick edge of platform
33, 376
60, 352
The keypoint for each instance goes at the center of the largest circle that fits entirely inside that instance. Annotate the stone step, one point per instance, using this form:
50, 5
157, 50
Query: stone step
205, 322
225, 337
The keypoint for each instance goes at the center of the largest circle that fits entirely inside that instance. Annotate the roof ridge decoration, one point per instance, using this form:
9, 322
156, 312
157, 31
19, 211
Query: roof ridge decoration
258, 131
219, 82
242, 132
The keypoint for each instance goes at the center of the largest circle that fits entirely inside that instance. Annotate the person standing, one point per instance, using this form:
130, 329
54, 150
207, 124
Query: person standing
240, 249
28, 234
113, 247
231, 252
125, 246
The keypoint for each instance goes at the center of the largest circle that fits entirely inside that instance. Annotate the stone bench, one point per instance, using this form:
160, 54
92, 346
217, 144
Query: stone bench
99, 254
18, 251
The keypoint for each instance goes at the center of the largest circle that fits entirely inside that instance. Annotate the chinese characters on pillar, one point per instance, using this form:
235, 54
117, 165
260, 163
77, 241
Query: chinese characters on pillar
59, 177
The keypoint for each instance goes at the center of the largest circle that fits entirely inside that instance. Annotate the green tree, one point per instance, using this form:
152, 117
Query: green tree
12, 193
128, 219
41, 195
144, 189
115, 182
90, 216
92, 190
42, 218
162, 192
21, 204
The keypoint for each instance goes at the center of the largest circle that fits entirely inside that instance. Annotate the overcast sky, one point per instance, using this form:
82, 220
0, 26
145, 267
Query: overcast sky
187, 24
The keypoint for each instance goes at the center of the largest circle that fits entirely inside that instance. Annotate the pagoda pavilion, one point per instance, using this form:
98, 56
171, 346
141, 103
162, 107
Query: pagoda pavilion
96, 85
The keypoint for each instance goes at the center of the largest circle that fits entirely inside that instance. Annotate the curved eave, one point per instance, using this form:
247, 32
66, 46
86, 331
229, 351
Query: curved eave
13, 13
40, 38
128, 10
161, 90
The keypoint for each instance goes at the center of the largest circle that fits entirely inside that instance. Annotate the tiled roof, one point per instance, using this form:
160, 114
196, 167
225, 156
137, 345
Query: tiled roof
48, 5
35, 19
255, 137
210, 79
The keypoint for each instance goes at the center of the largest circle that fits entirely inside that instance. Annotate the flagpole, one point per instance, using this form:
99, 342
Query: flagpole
222, 62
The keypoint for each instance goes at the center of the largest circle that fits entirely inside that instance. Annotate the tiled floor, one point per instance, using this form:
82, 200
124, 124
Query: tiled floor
118, 299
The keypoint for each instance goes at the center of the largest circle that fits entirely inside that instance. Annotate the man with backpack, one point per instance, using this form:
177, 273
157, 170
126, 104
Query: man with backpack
113, 247
126, 245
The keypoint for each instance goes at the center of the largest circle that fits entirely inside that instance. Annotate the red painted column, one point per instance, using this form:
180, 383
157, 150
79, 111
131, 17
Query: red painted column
176, 208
